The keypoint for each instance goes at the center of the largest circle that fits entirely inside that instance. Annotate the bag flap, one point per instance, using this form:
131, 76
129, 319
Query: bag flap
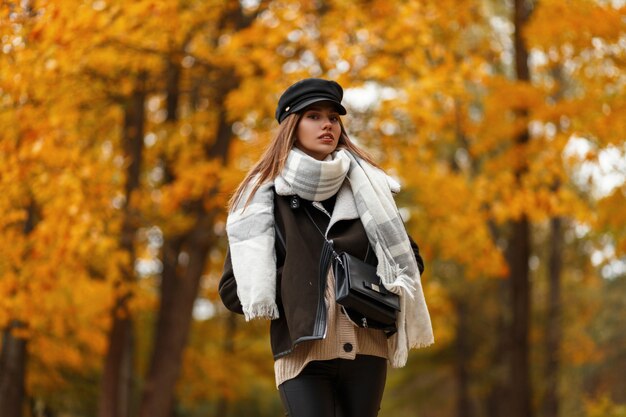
363, 279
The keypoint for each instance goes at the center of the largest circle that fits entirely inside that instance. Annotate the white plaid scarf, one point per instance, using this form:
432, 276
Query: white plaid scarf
251, 239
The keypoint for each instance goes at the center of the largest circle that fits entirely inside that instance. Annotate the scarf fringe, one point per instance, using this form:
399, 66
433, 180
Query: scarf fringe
420, 345
399, 347
394, 276
400, 355
402, 284
399, 358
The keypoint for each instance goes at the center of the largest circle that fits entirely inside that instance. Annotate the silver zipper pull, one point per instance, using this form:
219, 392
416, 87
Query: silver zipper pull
337, 258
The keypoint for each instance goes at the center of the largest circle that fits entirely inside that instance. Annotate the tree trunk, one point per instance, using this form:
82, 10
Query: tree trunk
12, 372
178, 294
518, 252
553, 321
180, 283
550, 403
174, 323
463, 354
497, 403
14, 352
114, 394
116, 388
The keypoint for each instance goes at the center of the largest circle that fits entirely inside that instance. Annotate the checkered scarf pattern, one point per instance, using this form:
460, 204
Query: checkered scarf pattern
251, 237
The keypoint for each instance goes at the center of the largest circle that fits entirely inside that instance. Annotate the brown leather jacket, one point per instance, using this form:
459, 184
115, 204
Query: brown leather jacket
300, 291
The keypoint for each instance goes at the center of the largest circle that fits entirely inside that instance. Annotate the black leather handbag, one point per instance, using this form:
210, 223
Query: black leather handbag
358, 289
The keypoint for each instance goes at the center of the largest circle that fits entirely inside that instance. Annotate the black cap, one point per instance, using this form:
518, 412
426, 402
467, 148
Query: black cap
306, 92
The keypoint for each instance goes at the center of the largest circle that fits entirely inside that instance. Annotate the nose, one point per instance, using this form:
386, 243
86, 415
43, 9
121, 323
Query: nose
327, 123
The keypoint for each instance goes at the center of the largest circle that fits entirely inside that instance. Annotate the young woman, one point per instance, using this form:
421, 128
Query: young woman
313, 184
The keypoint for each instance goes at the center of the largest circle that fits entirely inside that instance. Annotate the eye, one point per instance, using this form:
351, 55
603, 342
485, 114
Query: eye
334, 118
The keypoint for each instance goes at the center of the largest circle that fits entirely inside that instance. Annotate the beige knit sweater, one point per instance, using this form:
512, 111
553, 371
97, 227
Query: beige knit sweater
343, 340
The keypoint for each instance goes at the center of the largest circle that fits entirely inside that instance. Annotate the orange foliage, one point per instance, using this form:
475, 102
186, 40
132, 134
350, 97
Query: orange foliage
443, 117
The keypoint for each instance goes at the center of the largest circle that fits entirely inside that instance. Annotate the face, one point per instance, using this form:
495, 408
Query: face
319, 130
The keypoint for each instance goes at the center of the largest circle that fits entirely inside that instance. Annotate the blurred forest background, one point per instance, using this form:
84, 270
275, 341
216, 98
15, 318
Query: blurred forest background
125, 126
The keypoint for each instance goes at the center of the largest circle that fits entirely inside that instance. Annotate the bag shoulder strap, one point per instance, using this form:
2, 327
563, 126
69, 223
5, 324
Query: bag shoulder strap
306, 210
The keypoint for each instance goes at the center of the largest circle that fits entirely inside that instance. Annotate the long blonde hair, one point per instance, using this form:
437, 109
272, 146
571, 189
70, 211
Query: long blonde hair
273, 160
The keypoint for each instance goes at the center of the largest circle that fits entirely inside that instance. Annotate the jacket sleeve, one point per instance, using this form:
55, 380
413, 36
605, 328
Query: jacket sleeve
418, 258
228, 287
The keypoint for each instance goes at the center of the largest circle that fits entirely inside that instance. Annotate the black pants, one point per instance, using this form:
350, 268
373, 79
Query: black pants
336, 388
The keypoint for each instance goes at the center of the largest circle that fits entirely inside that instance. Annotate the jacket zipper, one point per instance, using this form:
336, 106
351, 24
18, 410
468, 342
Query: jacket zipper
320, 318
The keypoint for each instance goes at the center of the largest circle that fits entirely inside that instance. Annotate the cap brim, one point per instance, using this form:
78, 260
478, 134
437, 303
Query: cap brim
340, 109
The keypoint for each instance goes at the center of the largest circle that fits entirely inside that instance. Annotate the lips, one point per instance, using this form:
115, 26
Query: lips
326, 136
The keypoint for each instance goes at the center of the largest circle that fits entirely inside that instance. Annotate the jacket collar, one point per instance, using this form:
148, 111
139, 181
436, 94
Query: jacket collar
345, 206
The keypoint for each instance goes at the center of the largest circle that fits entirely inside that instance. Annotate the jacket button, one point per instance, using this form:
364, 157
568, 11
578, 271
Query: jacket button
347, 347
